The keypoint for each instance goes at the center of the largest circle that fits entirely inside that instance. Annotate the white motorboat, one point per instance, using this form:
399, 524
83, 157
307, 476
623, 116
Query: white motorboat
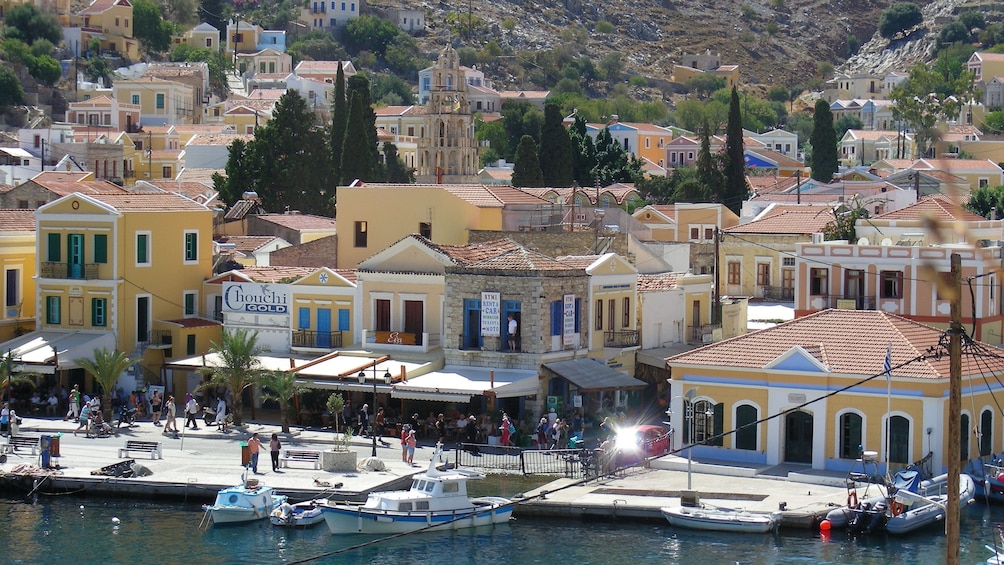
299, 515
245, 502
437, 500
721, 519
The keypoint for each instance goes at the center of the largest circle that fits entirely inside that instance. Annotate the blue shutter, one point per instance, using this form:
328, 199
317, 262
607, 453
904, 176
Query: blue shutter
343, 319
304, 319
556, 317
578, 303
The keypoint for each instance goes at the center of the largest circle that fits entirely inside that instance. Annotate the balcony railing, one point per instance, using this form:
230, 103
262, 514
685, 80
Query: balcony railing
844, 302
701, 334
622, 338
317, 340
85, 271
779, 293
159, 339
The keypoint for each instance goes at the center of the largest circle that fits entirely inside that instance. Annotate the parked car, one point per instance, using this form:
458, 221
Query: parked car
637, 442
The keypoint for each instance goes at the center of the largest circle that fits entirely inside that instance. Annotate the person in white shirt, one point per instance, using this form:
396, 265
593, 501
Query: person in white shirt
512, 333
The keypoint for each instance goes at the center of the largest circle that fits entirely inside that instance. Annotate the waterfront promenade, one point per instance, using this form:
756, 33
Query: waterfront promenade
200, 463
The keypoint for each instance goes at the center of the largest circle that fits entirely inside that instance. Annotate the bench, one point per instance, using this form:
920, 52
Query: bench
301, 455
151, 447
17, 442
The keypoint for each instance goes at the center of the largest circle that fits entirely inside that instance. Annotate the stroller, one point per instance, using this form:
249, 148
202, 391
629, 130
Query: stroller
97, 427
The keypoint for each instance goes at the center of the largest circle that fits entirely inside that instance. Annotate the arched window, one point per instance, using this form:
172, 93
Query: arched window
899, 440
746, 433
850, 435
964, 438
986, 432
707, 422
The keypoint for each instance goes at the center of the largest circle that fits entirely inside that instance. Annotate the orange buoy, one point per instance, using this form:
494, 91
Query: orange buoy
824, 526
852, 499
896, 507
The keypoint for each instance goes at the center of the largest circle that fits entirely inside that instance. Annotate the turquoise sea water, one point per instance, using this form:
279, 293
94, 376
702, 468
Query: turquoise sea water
57, 530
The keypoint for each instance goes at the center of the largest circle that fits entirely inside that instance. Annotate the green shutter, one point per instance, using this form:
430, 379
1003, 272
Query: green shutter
191, 245
98, 306
52, 309
100, 248
53, 254
141, 247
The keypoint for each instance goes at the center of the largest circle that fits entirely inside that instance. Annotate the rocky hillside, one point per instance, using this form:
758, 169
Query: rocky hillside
777, 42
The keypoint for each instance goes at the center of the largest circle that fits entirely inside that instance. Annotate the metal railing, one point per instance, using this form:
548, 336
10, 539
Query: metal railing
319, 340
695, 334
621, 338
570, 463
779, 293
54, 270
845, 302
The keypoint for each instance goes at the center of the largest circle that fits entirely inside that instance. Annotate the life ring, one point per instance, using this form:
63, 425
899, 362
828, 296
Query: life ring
896, 508
852, 499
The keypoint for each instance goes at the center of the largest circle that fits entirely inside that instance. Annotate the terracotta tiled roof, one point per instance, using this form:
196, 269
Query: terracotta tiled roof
165, 154
194, 322
776, 209
219, 139
936, 207
348, 274
464, 255
656, 282
149, 202
100, 6
522, 259
951, 165
392, 110
201, 128
62, 183
276, 274
579, 261
199, 175
788, 222
300, 221
248, 243
851, 342
769, 185
509, 195
188, 189
668, 210
474, 194
17, 220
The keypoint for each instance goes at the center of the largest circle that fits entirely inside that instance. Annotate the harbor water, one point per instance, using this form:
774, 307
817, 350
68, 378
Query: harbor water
73, 529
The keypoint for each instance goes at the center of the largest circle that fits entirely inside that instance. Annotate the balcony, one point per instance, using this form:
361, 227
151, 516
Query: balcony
84, 271
778, 294
400, 341
701, 334
622, 338
160, 339
842, 302
317, 340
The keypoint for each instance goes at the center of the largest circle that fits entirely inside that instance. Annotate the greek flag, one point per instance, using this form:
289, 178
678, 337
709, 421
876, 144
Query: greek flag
887, 364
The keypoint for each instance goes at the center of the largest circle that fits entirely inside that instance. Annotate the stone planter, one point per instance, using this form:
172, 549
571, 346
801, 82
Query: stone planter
332, 460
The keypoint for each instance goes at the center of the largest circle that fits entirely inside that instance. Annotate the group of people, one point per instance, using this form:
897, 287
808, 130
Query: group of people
254, 450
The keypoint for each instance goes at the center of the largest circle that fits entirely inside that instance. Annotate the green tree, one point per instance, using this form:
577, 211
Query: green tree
494, 134
824, 144
583, 151
390, 90
361, 84
994, 122
843, 224
611, 66
45, 69
397, 171
239, 366
519, 119
356, 162
688, 186
928, 96
709, 174
656, 189
281, 386
555, 149
11, 93
27, 23
105, 367
985, 199
335, 404
704, 84
973, 19
734, 167
369, 33
317, 46
339, 119
898, 18
215, 13
152, 30
613, 164
526, 169
844, 123
953, 32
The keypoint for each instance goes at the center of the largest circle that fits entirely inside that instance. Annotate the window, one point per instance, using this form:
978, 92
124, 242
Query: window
135, 101
964, 438
787, 261
599, 315
189, 299
425, 230
52, 248
695, 233
11, 288
166, 173
190, 344
850, 436
611, 311
361, 234
818, 284
143, 249
626, 313
100, 248
892, 284
52, 309
99, 312
709, 233
986, 433
382, 315
763, 274
191, 246
22, 204
238, 38
899, 440
732, 268
160, 101
746, 431
304, 319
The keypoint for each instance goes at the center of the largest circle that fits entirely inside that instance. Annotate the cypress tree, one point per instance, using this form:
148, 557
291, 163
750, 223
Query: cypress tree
526, 168
824, 143
583, 152
397, 172
555, 149
735, 164
361, 85
339, 117
708, 174
356, 161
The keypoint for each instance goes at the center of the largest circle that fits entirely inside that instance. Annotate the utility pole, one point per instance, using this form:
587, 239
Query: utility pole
955, 331
716, 307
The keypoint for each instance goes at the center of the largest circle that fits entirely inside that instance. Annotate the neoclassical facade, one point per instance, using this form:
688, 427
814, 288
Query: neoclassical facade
447, 152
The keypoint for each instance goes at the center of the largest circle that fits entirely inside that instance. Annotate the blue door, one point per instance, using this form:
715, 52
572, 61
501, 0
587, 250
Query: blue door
75, 255
324, 328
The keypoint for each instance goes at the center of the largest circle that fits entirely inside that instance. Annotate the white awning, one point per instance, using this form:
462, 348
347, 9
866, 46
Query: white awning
47, 351
459, 383
347, 385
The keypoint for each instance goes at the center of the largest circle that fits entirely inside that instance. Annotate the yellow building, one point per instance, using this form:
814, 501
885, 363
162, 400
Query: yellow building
813, 391
17, 260
162, 102
110, 22
111, 266
324, 311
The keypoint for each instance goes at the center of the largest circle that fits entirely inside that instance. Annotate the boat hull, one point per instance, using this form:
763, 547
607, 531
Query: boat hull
348, 519
719, 520
302, 515
241, 504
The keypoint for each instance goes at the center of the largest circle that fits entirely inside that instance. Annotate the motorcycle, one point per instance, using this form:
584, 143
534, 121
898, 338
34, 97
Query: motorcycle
127, 416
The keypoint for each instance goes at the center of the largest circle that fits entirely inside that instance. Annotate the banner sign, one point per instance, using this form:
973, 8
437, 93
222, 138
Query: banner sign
491, 314
568, 320
256, 298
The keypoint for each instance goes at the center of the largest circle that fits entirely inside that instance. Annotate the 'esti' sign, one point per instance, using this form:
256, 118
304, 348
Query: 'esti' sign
256, 298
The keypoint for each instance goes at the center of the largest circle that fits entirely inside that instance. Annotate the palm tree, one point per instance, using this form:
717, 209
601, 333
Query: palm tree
240, 368
281, 387
106, 367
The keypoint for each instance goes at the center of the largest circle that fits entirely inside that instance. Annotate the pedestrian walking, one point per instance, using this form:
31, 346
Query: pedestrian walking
254, 447
155, 407
170, 423
273, 449
191, 409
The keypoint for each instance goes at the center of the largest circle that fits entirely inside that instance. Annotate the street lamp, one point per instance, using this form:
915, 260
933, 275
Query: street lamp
688, 421
362, 380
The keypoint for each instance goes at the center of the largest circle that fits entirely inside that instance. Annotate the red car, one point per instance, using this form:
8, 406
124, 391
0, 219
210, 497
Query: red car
636, 442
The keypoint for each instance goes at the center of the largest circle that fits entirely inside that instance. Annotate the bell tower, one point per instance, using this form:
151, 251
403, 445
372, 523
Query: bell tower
448, 152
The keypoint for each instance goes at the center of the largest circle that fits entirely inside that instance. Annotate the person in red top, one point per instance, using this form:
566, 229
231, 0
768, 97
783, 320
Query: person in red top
404, 442
254, 446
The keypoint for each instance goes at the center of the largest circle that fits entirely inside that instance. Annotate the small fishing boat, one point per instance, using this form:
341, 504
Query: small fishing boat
299, 515
721, 519
245, 502
437, 500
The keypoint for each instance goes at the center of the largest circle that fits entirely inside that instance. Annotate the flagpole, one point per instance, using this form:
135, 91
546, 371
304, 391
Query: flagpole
888, 407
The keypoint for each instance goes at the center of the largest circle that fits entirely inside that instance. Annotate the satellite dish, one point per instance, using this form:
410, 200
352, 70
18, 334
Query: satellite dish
886, 242
864, 241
